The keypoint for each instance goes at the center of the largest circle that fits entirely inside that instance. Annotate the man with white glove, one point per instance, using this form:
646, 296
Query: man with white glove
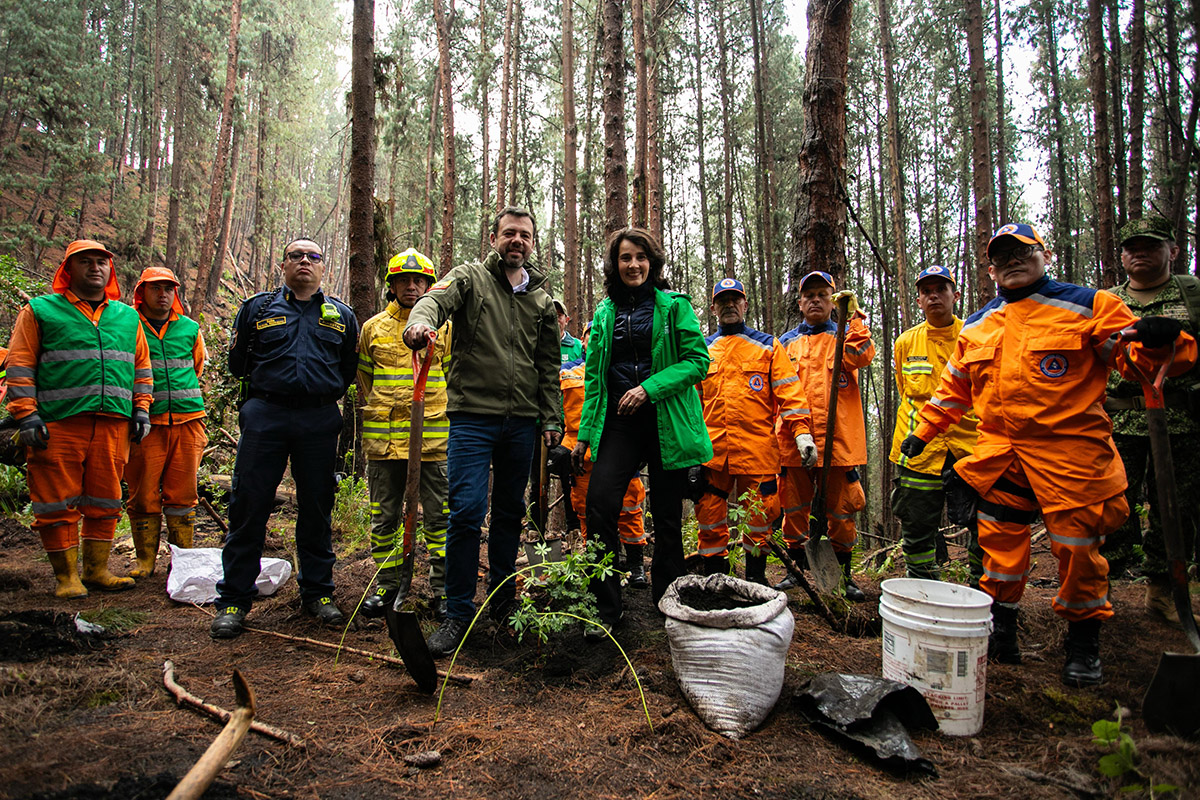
751, 388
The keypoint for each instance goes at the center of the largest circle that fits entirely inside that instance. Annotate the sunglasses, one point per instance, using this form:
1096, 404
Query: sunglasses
1019, 253
300, 255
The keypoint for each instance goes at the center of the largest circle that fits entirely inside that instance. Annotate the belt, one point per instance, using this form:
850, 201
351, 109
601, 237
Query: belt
295, 400
1170, 400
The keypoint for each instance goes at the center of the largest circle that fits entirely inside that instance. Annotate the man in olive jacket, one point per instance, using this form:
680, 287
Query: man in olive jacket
502, 384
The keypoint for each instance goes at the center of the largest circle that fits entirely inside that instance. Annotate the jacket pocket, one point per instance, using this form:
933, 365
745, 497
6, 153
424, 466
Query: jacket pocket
1056, 357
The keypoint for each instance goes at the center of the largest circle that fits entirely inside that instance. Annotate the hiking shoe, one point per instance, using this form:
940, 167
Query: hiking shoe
1082, 667
446, 639
228, 623
637, 576
325, 610
1159, 601
378, 603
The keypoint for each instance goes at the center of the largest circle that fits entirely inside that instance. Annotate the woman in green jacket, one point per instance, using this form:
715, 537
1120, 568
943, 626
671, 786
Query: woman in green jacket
645, 355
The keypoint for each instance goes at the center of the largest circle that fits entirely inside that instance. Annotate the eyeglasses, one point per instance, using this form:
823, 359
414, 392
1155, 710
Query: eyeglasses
1018, 253
300, 255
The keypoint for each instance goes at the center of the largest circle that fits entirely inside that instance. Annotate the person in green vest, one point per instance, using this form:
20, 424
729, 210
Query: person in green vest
80, 386
161, 473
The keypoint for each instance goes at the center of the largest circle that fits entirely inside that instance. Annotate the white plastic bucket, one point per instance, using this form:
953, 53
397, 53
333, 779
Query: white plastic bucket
935, 638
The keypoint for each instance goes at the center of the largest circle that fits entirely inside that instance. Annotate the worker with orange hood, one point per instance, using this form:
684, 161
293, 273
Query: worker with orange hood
80, 385
161, 473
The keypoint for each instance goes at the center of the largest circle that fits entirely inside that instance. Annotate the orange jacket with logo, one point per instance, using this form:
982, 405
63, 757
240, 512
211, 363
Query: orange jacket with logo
811, 348
751, 385
1033, 364
570, 381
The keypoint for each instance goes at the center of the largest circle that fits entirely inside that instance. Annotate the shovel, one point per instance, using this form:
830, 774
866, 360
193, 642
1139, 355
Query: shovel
403, 628
822, 561
1171, 703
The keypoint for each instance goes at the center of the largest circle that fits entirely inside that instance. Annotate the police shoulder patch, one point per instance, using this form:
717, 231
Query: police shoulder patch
441, 285
270, 322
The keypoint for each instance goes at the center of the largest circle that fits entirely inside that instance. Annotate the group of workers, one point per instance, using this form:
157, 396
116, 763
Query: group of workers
1002, 418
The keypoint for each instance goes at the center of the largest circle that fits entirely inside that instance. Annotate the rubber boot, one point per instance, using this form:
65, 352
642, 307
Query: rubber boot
67, 574
756, 568
1082, 667
144, 529
95, 567
1003, 647
634, 565
716, 565
1159, 601
796, 554
181, 529
853, 593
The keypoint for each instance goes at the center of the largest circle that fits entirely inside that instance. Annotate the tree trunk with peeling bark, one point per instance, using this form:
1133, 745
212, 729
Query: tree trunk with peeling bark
981, 151
616, 184
1110, 270
449, 173
361, 233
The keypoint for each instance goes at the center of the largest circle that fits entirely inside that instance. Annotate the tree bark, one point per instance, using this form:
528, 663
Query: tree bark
1116, 105
361, 226
637, 21
727, 141
1001, 133
155, 139
616, 185
1137, 109
981, 161
484, 70
654, 170
1063, 239
702, 179
448, 169
1110, 270
895, 166
178, 138
765, 197
435, 103
570, 170
505, 88
258, 259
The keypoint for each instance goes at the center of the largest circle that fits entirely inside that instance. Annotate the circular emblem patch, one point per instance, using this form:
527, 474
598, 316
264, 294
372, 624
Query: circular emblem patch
1053, 365
843, 381
1007, 229
726, 283
756, 382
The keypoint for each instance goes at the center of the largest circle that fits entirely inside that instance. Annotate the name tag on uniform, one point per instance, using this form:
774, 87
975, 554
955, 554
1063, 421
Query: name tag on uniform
330, 323
271, 322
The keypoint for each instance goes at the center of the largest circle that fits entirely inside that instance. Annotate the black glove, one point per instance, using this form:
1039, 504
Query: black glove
696, 484
559, 462
1155, 332
33, 432
912, 446
140, 426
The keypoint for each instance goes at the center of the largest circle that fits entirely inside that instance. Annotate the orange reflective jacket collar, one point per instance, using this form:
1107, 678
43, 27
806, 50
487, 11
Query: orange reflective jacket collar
62, 278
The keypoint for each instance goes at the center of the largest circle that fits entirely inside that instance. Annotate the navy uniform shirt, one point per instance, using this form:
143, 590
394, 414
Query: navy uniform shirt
286, 346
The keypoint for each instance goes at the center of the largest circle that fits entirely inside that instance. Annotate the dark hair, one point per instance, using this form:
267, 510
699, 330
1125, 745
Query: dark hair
646, 241
295, 239
513, 211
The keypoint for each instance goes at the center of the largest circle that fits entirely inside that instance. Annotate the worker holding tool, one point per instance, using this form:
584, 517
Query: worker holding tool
751, 384
80, 386
1033, 364
1147, 251
811, 346
920, 491
385, 379
161, 473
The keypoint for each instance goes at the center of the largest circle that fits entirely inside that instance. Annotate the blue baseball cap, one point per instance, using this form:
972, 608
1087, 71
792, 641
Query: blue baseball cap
728, 285
1023, 233
935, 271
816, 273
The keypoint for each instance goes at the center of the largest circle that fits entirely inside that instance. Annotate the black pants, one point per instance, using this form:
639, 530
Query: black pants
625, 443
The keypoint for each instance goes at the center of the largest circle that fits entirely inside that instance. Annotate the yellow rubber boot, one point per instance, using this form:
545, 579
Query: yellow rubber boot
95, 567
181, 528
146, 531
66, 573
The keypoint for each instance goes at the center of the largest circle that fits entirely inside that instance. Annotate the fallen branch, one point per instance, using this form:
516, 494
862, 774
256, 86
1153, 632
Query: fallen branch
1066, 779
794, 570
233, 439
212, 512
205, 771
185, 698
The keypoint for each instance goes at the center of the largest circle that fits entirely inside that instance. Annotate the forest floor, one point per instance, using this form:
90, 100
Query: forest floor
92, 719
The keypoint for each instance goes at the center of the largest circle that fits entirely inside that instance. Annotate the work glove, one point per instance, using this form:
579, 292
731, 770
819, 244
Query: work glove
33, 432
1155, 332
912, 446
808, 450
696, 484
852, 307
559, 462
140, 426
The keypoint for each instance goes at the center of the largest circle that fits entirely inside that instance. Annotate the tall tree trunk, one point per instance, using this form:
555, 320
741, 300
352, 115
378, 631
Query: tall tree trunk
505, 88
1116, 105
155, 138
981, 162
257, 258
435, 103
616, 184
214, 277
1137, 109
640, 122
448, 169
654, 170
819, 225
1098, 82
895, 165
361, 225
764, 197
570, 171
208, 243
1001, 133
178, 139
727, 134
123, 150
484, 70
702, 178
1063, 238
588, 200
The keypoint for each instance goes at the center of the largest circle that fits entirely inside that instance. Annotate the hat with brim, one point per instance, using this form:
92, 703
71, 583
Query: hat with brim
935, 271
156, 275
1026, 234
560, 307
726, 285
62, 278
1152, 227
817, 274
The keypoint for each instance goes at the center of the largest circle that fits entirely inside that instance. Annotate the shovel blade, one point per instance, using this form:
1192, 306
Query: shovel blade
1172, 704
823, 564
405, 633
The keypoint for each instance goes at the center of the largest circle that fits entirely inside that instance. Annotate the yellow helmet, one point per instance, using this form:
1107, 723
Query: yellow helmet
413, 262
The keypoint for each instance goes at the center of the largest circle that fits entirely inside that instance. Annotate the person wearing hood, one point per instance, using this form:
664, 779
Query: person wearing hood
161, 473
1033, 364
80, 386
502, 388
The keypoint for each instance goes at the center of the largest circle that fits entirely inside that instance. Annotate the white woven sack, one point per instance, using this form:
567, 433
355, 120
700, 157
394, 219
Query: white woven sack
196, 570
729, 662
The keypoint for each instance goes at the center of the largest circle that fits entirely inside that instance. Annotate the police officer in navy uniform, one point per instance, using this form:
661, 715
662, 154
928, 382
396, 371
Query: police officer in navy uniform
295, 349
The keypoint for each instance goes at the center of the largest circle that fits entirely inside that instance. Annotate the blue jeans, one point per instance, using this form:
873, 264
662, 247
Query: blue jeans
477, 442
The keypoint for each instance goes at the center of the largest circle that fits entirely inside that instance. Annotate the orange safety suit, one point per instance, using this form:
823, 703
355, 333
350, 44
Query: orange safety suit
751, 385
1033, 363
811, 348
630, 525
79, 471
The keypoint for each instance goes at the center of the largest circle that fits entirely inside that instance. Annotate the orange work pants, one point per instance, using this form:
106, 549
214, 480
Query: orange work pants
631, 528
161, 473
78, 474
712, 512
1004, 515
845, 498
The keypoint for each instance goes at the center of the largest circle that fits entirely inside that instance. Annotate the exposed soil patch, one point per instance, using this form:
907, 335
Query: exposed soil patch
700, 600
34, 635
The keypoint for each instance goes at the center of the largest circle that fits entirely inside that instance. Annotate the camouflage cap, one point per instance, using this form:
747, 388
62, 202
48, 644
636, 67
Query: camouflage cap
1152, 227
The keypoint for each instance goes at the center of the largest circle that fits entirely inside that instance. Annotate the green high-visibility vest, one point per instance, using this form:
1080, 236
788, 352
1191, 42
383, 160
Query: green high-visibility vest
176, 387
84, 367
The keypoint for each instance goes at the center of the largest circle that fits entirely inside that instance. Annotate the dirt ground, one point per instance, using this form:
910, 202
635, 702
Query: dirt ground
86, 718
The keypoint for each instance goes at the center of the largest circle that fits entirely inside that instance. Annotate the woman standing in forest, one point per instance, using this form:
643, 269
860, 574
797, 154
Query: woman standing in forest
644, 356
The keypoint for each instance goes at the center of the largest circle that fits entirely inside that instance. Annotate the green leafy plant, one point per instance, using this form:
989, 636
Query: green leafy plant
351, 515
1122, 761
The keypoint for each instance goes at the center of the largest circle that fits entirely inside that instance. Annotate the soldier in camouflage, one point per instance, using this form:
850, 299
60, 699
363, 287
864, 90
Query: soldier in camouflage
1147, 252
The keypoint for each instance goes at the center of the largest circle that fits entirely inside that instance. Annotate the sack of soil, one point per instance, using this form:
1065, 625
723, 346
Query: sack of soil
196, 570
729, 640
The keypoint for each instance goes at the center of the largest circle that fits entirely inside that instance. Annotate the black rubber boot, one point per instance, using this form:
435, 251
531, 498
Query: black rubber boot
633, 564
1082, 667
756, 568
716, 565
1003, 647
853, 593
378, 602
796, 554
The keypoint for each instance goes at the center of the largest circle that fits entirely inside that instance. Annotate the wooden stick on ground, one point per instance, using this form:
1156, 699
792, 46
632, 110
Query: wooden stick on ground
794, 570
205, 771
186, 698
212, 512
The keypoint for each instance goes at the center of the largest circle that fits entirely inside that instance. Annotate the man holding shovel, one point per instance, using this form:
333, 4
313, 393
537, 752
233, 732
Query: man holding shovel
1033, 364
811, 345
